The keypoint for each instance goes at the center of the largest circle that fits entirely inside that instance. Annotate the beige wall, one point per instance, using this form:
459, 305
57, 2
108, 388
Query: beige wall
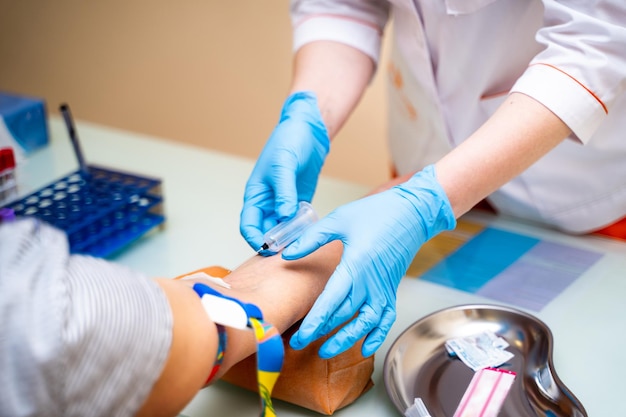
211, 73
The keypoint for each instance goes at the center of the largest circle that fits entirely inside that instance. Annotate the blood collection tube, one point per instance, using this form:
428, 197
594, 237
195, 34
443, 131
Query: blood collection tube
284, 233
8, 184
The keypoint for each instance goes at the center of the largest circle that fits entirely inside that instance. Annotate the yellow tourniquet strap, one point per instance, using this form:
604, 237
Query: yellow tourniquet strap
270, 355
270, 349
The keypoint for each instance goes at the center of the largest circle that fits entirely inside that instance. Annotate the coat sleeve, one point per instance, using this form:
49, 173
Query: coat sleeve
581, 73
357, 23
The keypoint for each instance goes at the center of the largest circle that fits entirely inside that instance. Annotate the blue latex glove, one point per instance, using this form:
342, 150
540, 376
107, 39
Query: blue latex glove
381, 235
287, 169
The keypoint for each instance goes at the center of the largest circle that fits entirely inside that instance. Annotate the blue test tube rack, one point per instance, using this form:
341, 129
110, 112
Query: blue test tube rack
101, 210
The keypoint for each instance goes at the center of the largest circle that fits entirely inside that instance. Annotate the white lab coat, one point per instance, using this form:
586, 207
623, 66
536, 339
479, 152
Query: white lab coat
454, 61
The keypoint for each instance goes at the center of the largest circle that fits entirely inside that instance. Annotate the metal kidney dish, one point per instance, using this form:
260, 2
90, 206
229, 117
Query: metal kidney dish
418, 365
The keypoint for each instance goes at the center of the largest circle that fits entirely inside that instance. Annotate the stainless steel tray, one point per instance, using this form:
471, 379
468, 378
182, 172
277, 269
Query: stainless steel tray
417, 365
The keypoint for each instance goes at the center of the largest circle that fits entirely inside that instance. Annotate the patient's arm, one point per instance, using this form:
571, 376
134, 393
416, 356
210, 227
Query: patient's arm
283, 290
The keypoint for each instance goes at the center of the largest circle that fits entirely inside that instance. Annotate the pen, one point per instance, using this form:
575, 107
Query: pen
71, 130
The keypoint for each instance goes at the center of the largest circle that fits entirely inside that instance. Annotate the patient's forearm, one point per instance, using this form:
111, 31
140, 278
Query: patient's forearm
283, 290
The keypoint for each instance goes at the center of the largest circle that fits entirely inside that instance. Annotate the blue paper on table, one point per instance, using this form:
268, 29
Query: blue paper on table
23, 123
101, 211
510, 267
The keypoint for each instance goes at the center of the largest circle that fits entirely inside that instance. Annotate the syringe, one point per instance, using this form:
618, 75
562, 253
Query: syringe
286, 232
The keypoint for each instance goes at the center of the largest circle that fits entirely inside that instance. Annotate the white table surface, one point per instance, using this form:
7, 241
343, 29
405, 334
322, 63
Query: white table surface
203, 192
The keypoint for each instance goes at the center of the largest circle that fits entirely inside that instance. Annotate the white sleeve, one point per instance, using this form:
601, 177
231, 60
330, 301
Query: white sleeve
581, 73
356, 23
80, 336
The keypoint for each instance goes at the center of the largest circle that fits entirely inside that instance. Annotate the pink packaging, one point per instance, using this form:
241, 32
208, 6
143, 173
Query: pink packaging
486, 393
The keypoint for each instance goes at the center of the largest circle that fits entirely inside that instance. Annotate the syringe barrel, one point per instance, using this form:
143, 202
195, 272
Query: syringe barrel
284, 233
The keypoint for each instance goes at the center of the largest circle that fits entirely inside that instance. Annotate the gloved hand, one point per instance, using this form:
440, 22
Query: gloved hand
381, 234
287, 169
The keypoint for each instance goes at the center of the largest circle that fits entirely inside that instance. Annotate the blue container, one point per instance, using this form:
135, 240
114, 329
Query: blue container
25, 119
